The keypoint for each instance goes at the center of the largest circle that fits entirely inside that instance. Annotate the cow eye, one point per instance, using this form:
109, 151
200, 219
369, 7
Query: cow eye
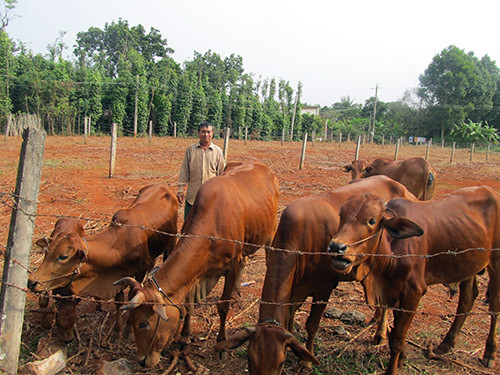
62, 257
372, 221
144, 325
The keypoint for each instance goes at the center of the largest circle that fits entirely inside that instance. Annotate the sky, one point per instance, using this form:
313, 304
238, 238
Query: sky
334, 48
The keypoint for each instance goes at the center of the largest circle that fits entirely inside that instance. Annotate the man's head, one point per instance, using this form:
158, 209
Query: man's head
205, 132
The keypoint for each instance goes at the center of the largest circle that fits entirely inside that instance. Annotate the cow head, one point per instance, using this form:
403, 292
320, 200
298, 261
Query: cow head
155, 323
356, 168
267, 347
362, 219
60, 264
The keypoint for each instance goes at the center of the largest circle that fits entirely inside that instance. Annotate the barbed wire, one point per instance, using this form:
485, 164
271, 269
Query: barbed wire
257, 246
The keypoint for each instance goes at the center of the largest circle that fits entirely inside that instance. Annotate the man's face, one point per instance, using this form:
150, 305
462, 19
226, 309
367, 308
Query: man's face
206, 133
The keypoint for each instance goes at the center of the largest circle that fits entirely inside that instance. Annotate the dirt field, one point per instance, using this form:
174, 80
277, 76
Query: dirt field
75, 183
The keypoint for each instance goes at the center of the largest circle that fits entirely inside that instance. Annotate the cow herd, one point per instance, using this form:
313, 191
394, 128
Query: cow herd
382, 230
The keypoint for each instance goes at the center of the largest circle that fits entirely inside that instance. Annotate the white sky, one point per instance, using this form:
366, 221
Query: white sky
335, 48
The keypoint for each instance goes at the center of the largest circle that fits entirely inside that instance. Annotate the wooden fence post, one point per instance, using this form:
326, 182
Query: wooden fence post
313, 136
356, 156
452, 152
17, 252
428, 149
472, 151
383, 140
226, 143
175, 129
397, 149
303, 154
112, 150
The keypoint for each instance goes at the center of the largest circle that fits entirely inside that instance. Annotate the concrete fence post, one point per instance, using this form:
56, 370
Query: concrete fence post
17, 253
112, 153
303, 153
226, 143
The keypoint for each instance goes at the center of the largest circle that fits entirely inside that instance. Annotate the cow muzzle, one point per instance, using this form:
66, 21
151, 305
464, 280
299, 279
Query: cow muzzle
35, 286
339, 261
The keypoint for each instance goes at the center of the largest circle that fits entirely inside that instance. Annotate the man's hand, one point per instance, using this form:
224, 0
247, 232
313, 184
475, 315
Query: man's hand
180, 198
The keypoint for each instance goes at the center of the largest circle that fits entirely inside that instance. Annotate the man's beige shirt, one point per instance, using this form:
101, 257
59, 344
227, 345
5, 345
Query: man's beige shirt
198, 166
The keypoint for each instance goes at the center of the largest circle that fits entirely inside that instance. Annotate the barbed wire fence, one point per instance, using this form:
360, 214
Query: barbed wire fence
8, 199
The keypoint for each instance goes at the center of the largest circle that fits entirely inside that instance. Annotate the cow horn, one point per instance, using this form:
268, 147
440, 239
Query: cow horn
126, 281
134, 302
250, 330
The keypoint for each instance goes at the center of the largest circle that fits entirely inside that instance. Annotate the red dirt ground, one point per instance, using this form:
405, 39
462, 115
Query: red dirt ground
75, 183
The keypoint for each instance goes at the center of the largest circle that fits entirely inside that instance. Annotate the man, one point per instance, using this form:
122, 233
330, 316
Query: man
202, 161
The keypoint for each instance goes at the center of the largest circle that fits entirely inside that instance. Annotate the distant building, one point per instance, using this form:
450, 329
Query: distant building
310, 110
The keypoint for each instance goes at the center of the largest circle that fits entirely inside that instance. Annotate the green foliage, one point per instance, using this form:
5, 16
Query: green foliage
457, 86
475, 133
121, 70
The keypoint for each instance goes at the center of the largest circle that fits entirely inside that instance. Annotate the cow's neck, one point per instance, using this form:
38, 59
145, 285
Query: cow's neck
184, 267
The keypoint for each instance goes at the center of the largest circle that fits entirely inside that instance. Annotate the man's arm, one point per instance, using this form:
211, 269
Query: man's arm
183, 177
221, 164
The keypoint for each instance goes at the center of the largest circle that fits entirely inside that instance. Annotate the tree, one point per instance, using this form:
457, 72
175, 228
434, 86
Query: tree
457, 86
6, 13
475, 132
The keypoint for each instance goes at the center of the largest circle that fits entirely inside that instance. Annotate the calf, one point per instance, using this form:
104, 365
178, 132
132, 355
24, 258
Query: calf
87, 266
392, 242
64, 308
233, 215
307, 224
415, 173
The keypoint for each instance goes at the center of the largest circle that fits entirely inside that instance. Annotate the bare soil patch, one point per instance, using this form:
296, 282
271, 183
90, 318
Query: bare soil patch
75, 183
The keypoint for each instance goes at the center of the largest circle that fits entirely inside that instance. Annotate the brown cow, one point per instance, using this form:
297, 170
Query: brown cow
465, 222
233, 215
307, 224
87, 266
64, 308
415, 173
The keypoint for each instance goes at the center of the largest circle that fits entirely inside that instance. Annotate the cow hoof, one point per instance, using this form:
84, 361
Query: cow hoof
223, 355
488, 362
377, 340
442, 349
306, 364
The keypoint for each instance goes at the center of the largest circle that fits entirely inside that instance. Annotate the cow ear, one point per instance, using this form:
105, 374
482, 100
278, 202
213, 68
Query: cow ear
369, 169
400, 227
301, 351
346, 168
160, 310
236, 340
43, 242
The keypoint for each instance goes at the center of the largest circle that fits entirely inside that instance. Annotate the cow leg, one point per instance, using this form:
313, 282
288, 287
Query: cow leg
397, 336
117, 331
468, 294
186, 326
314, 319
46, 318
380, 317
231, 285
66, 317
494, 299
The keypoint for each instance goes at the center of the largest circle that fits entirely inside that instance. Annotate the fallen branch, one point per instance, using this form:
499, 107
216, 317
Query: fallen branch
173, 363
354, 339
